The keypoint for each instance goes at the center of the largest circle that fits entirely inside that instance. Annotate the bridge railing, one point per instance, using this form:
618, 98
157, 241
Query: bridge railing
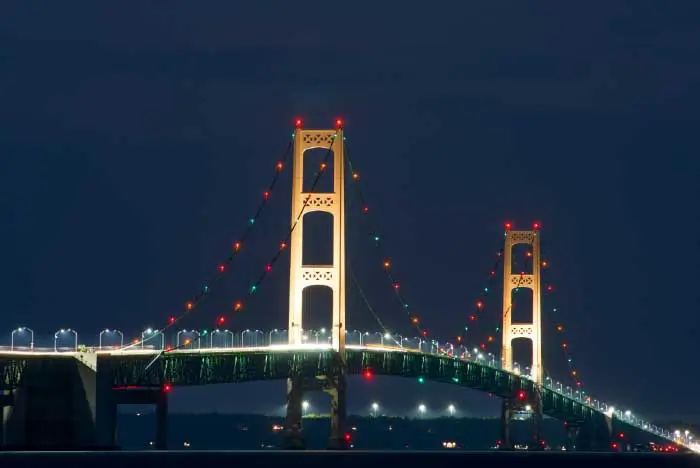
250, 338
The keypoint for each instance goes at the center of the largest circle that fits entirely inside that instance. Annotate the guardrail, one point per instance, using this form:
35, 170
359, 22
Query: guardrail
193, 339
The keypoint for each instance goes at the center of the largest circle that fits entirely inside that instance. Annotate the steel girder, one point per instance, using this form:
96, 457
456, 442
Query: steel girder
246, 366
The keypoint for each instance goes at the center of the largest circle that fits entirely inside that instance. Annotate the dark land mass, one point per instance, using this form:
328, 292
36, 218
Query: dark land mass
255, 432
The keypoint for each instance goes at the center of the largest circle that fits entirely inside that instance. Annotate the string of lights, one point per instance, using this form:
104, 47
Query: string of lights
266, 271
498, 330
561, 332
222, 268
481, 302
378, 244
548, 290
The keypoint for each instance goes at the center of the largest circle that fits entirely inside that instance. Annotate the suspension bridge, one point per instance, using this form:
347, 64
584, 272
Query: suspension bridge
38, 385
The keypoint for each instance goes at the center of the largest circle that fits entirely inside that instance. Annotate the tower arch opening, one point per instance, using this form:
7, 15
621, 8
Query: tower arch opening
317, 242
521, 305
313, 159
317, 308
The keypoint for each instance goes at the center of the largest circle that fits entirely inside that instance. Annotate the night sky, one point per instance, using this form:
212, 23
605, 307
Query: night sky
136, 138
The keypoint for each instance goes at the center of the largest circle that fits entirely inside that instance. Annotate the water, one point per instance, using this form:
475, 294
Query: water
327, 459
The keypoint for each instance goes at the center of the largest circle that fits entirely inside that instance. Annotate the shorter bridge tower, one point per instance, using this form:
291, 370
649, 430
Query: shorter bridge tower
302, 276
531, 330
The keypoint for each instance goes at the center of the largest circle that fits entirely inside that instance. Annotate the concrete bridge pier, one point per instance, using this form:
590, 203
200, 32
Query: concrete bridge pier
336, 388
537, 442
572, 434
53, 406
506, 418
6, 401
337, 392
109, 399
294, 437
594, 434
108, 404
509, 407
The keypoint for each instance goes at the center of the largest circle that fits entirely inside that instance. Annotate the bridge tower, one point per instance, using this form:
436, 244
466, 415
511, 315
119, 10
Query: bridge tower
302, 276
531, 330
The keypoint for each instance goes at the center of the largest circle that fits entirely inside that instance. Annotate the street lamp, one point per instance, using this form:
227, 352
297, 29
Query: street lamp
187, 340
111, 332
350, 337
452, 410
255, 338
375, 408
225, 332
62, 332
422, 409
22, 330
150, 333
304, 407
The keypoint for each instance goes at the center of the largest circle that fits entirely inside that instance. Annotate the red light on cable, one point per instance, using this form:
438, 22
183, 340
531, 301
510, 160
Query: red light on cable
221, 320
347, 437
338, 123
521, 395
298, 123
167, 388
368, 374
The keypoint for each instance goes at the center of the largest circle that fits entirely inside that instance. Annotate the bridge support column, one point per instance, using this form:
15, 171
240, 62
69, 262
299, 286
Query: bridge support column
6, 400
594, 434
537, 442
573, 431
337, 392
53, 407
162, 421
506, 418
294, 439
335, 387
106, 406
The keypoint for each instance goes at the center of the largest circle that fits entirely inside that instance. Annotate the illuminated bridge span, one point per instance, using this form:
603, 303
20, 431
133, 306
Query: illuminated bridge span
254, 355
41, 385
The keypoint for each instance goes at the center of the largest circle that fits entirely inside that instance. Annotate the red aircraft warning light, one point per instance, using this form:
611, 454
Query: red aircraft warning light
338, 123
536, 226
298, 123
509, 226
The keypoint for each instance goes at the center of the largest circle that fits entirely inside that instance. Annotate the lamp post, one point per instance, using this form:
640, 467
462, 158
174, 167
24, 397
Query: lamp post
422, 409
150, 333
451, 410
111, 332
225, 332
375, 408
62, 332
22, 330
255, 338
354, 337
187, 340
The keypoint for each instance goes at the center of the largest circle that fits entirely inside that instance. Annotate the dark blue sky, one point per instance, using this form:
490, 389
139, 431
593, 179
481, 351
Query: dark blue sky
136, 139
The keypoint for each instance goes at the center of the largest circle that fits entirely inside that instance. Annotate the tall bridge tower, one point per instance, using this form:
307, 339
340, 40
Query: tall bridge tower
533, 330
302, 276
530, 330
